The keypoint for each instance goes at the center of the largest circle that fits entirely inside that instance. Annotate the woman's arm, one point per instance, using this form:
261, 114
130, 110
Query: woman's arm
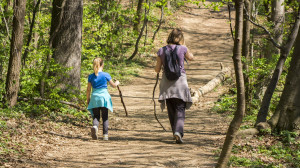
189, 56
158, 64
114, 84
88, 92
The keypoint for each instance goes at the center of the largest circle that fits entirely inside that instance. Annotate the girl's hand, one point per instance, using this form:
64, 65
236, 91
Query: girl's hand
114, 84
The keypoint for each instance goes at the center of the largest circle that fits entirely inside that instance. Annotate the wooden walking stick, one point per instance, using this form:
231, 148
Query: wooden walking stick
157, 76
121, 96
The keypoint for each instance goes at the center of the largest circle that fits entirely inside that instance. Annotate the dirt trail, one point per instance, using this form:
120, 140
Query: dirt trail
138, 141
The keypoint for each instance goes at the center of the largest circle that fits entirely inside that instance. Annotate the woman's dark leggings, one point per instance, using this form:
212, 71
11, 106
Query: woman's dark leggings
176, 112
96, 118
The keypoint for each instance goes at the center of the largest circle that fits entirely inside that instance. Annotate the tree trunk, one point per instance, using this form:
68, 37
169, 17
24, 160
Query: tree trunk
66, 33
31, 30
246, 47
290, 111
160, 22
277, 18
53, 34
138, 16
14, 66
226, 72
238, 116
3, 28
146, 33
169, 5
287, 114
285, 50
140, 36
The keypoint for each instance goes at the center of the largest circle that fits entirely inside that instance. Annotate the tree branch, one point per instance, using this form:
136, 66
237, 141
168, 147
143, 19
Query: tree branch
265, 29
7, 28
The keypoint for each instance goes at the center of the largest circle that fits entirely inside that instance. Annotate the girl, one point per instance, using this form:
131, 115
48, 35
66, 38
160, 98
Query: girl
100, 99
175, 94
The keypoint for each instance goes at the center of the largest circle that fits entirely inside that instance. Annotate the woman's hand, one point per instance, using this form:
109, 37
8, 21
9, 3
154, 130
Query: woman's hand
189, 56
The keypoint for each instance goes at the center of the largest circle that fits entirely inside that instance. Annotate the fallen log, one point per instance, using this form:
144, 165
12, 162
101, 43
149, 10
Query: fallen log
259, 128
224, 74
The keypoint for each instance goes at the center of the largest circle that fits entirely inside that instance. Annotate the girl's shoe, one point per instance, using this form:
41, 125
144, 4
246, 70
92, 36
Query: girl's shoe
178, 138
105, 137
94, 132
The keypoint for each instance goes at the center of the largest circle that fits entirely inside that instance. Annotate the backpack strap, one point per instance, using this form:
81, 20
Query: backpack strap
166, 52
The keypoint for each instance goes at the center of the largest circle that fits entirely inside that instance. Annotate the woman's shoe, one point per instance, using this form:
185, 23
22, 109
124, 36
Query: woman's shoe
94, 132
105, 137
178, 138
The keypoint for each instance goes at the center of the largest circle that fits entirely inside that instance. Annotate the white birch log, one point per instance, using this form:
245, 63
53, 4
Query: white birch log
196, 94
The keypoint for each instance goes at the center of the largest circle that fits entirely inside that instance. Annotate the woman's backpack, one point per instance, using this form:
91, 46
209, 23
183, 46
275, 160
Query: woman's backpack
171, 64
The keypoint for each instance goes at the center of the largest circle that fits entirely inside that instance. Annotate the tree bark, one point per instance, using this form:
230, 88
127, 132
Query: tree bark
53, 34
3, 27
287, 113
238, 116
277, 17
138, 16
14, 66
36, 34
284, 52
246, 47
146, 33
31, 30
66, 33
160, 22
140, 36
290, 116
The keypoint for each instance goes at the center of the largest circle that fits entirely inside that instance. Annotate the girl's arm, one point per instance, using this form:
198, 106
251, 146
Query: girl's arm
114, 84
189, 56
158, 64
88, 92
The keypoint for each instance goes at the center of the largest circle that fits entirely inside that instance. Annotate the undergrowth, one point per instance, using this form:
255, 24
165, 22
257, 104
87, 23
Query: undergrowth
268, 149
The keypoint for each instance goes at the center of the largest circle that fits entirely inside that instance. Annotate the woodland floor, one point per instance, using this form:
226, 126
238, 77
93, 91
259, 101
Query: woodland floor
138, 140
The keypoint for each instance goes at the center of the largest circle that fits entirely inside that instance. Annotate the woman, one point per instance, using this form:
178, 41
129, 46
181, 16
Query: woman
175, 93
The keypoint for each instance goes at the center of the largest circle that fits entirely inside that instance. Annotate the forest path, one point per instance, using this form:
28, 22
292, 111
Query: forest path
138, 140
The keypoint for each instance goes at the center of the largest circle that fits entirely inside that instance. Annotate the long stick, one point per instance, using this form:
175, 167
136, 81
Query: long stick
157, 76
121, 96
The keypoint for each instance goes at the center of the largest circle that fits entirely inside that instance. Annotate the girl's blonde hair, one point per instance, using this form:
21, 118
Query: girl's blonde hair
176, 37
97, 63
